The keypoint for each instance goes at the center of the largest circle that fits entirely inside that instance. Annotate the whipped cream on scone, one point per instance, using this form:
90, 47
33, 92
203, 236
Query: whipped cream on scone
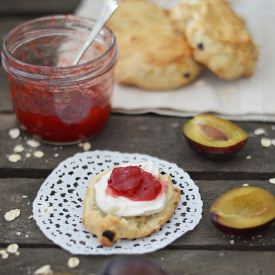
125, 207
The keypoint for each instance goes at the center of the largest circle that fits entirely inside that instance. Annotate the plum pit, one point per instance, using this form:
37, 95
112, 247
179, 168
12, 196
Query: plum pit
213, 136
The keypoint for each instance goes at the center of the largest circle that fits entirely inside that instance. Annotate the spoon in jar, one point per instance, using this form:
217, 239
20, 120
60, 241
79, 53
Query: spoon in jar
109, 7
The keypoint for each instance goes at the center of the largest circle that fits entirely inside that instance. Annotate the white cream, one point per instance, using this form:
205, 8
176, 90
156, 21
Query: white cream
124, 207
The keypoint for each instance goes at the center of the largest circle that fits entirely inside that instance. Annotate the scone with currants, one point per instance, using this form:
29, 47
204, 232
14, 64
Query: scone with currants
129, 202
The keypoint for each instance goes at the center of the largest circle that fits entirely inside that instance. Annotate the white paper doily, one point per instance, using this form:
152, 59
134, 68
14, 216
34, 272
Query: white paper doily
57, 208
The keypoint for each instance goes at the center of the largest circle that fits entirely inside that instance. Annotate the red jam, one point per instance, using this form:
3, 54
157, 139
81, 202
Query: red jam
134, 183
53, 99
61, 116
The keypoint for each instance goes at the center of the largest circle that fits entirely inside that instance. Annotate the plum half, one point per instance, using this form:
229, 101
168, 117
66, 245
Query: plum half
214, 137
243, 210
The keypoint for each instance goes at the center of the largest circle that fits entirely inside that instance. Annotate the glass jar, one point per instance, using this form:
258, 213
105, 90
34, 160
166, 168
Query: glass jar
54, 100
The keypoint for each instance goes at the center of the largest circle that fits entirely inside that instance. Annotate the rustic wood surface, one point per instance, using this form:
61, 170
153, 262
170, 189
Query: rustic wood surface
202, 251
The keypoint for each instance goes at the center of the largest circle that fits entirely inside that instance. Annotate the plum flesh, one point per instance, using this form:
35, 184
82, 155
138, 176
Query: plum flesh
214, 137
243, 210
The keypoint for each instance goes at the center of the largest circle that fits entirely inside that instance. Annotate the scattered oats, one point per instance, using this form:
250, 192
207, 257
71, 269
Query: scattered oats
272, 180
28, 203
55, 148
249, 157
73, 262
245, 184
231, 242
266, 142
259, 236
44, 270
87, 146
14, 157
14, 133
33, 143
273, 141
46, 161
27, 236
56, 155
260, 131
18, 149
221, 254
24, 196
273, 127
38, 154
18, 233
12, 215
30, 217
80, 144
28, 155
4, 254
253, 238
162, 258
12, 248
17, 253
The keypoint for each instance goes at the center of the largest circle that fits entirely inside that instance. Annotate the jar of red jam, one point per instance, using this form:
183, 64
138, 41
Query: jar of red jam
53, 99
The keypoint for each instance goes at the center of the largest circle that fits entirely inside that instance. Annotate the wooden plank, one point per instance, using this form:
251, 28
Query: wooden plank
205, 236
37, 6
177, 262
148, 134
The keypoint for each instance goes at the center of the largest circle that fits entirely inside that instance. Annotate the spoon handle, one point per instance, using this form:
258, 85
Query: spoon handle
108, 9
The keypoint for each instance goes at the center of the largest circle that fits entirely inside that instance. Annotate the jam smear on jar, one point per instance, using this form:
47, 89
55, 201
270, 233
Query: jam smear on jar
134, 183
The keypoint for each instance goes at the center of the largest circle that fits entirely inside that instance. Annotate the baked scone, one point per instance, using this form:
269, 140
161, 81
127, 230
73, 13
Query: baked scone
152, 55
219, 37
109, 227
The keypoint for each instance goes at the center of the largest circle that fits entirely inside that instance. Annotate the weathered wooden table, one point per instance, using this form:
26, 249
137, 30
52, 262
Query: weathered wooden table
203, 251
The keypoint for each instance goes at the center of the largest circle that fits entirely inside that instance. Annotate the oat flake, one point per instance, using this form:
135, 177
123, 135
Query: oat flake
87, 146
14, 133
44, 270
38, 154
272, 180
259, 131
14, 157
33, 143
4, 254
18, 149
249, 157
13, 248
266, 142
12, 215
73, 262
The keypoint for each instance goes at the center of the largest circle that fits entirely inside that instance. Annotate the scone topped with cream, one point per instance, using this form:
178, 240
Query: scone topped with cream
128, 202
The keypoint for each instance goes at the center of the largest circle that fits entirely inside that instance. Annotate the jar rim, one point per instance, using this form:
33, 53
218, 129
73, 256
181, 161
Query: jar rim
7, 54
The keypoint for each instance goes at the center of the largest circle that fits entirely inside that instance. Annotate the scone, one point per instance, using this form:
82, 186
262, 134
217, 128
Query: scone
111, 217
152, 55
219, 38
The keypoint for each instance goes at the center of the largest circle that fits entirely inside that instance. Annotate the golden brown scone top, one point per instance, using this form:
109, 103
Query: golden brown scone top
152, 55
219, 37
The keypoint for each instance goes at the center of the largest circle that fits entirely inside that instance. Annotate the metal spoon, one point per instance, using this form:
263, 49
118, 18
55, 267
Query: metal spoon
109, 7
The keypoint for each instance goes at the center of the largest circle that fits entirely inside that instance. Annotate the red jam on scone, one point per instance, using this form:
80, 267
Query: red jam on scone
134, 183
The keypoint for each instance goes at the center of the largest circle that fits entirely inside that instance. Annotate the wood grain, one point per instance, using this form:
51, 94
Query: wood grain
205, 236
148, 134
174, 262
